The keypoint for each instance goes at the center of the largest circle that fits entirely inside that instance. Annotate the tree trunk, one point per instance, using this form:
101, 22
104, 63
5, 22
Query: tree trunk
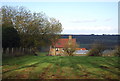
4, 50
10, 51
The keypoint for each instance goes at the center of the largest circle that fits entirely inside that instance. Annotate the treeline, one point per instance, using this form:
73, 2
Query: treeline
99, 49
86, 41
23, 29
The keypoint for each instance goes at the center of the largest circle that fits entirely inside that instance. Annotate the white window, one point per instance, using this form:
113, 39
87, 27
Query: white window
57, 49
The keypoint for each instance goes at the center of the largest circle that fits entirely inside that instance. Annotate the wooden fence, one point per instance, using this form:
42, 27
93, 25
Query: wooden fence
16, 51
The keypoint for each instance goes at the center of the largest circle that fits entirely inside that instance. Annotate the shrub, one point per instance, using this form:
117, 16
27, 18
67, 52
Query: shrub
69, 49
117, 51
97, 49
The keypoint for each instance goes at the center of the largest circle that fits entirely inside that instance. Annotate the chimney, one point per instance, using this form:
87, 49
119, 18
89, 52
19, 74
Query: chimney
70, 37
70, 40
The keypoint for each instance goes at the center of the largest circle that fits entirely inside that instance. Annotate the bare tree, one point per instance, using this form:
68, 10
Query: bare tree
70, 48
117, 51
97, 49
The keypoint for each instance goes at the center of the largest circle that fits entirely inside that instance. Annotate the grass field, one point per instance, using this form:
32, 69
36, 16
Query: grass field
60, 67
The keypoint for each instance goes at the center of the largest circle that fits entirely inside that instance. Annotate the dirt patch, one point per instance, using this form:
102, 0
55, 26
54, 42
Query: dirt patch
4, 70
23, 76
85, 75
58, 74
46, 70
104, 67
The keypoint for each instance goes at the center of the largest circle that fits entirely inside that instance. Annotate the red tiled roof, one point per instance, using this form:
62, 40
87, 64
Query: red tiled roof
62, 42
80, 48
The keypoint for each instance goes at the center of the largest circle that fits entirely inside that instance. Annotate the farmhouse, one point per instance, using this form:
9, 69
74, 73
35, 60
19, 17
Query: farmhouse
58, 47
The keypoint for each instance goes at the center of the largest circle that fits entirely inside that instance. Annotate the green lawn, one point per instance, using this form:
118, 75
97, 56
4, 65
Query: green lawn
60, 67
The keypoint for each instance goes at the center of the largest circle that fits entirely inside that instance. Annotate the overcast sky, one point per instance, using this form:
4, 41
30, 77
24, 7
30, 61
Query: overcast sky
78, 17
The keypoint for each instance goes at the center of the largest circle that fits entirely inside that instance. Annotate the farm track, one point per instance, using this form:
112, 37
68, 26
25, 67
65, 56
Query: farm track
46, 71
48, 74
58, 73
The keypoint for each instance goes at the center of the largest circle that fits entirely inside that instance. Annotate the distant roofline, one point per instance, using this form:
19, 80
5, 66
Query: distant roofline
89, 34
65, 38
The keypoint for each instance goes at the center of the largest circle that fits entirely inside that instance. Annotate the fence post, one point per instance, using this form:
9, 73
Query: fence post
7, 51
12, 51
4, 50
23, 50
